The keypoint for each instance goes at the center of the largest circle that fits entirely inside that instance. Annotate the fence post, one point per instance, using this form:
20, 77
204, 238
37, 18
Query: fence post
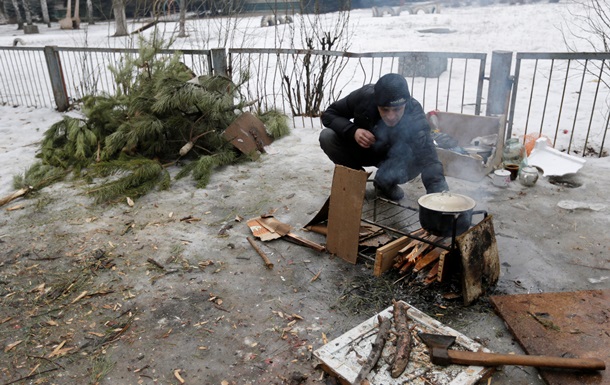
500, 83
57, 78
219, 62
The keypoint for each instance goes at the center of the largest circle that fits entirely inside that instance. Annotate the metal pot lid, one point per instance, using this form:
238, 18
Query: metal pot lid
447, 202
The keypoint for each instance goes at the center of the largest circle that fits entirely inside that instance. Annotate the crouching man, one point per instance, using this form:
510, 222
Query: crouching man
381, 125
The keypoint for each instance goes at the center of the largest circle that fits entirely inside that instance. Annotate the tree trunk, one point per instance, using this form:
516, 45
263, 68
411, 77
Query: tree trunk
3, 14
27, 10
17, 14
90, 12
45, 13
66, 22
76, 18
118, 8
182, 32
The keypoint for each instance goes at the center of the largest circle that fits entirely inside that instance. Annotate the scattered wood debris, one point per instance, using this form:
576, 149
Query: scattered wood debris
267, 228
260, 252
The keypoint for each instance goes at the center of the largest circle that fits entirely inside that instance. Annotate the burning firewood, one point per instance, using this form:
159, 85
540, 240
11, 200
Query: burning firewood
427, 259
417, 255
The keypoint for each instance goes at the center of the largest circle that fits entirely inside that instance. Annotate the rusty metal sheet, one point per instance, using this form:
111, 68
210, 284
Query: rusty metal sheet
565, 324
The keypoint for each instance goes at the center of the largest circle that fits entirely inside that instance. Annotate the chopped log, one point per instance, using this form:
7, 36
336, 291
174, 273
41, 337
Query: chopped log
406, 267
427, 259
19, 193
409, 246
403, 343
371, 361
319, 228
432, 274
443, 269
260, 252
418, 252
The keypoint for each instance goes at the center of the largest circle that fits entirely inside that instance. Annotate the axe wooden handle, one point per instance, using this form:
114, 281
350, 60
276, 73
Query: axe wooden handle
494, 359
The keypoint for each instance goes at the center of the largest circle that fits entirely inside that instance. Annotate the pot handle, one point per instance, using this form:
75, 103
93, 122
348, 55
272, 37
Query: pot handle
483, 212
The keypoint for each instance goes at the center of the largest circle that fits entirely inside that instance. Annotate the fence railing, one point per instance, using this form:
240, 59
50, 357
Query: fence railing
582, 82
305, 82
24, 78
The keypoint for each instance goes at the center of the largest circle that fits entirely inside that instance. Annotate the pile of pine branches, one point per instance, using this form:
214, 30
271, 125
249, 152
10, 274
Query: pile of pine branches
161, 115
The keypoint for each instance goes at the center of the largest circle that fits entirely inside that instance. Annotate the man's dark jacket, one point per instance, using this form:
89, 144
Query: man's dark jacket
406, 149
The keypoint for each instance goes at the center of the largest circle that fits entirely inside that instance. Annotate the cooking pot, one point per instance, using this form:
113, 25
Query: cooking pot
482, 151
441, 213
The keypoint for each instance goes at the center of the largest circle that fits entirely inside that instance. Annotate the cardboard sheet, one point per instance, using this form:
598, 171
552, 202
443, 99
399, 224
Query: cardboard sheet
345, 211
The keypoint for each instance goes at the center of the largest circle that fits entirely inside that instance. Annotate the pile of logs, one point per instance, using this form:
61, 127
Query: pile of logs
423, 257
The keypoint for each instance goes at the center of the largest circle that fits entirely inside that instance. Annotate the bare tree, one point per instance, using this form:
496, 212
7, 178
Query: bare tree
45, 13
591, 24
17, 14
118, 8
311, 79
3, 14
28, 12
90, 12
182, 32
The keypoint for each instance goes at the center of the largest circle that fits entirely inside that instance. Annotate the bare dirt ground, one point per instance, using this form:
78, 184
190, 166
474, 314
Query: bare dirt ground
170, 291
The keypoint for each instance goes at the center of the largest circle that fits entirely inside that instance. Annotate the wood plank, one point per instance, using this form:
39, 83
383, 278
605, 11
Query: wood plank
345, 211
443, 266
384, 257
319, 228
305, 242
432, 274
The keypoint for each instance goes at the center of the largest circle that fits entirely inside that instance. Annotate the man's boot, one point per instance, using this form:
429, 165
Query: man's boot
393, 193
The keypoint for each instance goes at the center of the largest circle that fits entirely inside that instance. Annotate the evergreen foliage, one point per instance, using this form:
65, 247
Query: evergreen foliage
160, 115
38, 176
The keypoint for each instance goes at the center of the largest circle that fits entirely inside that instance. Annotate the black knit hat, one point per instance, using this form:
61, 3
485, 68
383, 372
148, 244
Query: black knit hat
391, 90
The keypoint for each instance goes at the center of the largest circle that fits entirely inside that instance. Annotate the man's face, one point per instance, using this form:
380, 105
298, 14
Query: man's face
391, 115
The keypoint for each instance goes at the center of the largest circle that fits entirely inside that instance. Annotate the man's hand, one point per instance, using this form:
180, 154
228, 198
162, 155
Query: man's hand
364, 138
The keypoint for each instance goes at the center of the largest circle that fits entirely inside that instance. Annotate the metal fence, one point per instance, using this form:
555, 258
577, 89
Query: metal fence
24, 78
56, 77
581, 80
304, 82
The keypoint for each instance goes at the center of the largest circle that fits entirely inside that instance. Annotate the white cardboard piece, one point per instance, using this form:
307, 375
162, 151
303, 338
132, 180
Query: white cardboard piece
553, 162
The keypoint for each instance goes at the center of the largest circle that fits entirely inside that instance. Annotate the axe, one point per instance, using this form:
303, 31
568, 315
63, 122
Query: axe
440, 354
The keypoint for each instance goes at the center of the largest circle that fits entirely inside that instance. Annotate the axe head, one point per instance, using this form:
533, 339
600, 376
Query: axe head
438, 345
